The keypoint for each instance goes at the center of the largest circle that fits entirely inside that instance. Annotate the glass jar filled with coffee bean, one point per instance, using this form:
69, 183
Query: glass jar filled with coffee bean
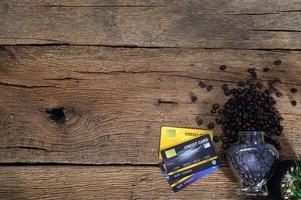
253, 162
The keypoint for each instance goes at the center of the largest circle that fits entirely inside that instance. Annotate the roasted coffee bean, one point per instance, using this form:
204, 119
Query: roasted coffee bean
225, 86
210, 126
199, 120
294, 90
254, 74
209, 87
215, 106
259, 85
277, 62
218, 120
216, 139
266, 69
294, 103
271, 84
220, 111
227, 92
278, 93
241, 84
202, 84
222, 67
251, 70
193, 97
213, 111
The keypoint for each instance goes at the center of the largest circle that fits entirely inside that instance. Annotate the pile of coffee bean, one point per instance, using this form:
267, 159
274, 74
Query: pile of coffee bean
251, 107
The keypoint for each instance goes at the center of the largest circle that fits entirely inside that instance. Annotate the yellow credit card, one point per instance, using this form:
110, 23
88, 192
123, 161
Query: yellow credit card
171, 136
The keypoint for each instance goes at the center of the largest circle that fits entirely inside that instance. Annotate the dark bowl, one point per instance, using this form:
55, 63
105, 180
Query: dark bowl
274, 183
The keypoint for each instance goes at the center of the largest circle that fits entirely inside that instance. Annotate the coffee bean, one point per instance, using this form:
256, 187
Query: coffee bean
199, 120
215, 106
241, 84
222, 67
220, 111
225, 86
210, 126
193, 97
294, 90
213, 111
294, 103
202, 84
266, 69
251, 70
259, 85
209, 88
254, 74
218, 120
227, 92
216, 139
277, 62
278, 93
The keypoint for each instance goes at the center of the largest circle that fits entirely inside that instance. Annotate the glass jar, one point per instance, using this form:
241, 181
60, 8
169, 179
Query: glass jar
253, 162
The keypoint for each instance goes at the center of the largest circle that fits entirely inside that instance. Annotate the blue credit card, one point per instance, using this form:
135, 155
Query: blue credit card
194, 178
177, 184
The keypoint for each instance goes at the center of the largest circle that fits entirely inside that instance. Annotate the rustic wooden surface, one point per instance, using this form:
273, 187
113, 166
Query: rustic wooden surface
145, 58
163, 23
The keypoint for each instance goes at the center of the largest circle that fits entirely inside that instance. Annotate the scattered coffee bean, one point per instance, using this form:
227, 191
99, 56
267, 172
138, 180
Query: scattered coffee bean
266, 69
210, 126
252, 71
199, 120
294, 103
213, 111
202, 84
294, 90
241, 84
223, 67
278, 93
227, 92
193, 97
277, 62
220, 111
254, 74
225, 86
259, 85
215, 106
209, 87
216, 139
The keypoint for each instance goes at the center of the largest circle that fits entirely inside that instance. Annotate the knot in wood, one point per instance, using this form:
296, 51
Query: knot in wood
56, 114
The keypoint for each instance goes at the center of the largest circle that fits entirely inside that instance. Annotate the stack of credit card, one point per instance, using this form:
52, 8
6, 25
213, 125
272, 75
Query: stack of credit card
186, 155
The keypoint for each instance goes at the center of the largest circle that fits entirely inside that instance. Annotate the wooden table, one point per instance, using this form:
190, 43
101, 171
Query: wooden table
86, 85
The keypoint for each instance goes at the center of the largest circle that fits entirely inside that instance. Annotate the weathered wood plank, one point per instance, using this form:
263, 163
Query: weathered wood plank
110, 99
203, 24
108, 183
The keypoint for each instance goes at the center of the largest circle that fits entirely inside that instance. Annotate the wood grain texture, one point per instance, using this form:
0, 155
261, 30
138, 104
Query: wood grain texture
110, 99
108, 183
197, 24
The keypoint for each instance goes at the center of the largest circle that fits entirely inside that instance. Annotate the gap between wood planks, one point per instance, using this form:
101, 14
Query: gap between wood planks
131, 46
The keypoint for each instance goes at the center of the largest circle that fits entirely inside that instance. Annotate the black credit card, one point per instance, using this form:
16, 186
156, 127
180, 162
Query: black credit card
188, 153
